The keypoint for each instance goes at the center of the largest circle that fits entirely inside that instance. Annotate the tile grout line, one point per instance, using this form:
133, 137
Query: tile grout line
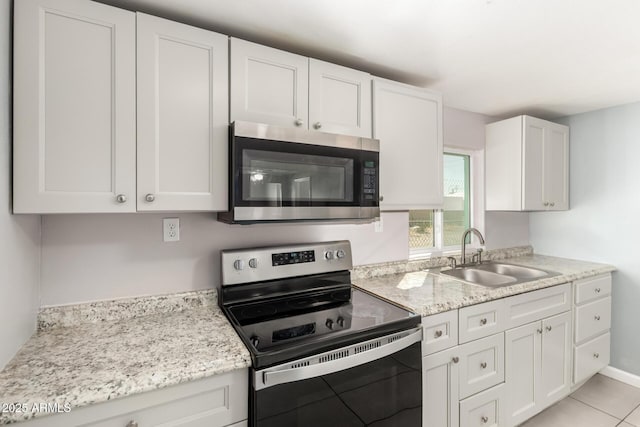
632, 411
599, 410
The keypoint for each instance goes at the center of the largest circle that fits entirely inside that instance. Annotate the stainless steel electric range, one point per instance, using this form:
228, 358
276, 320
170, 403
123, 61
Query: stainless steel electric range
324, 353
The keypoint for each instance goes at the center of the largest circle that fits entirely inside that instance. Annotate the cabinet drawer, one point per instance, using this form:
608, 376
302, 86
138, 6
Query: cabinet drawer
440, 332
481, 364
536, 305
485, 409
593, 288
482, 320
591, 357
592, 319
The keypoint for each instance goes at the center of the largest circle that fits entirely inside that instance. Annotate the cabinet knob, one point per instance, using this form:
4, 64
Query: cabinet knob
149, 197
299, 122
484, 420
438, 334
539, 331
597, 290
455, 359
317, 125
381, 198
549, 328
483, 321
132, 424
483, 365
546, 203
596, 355
552, 204
596, 317
121, 198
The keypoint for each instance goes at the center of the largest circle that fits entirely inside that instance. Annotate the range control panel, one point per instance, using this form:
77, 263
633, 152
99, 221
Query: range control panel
279, 262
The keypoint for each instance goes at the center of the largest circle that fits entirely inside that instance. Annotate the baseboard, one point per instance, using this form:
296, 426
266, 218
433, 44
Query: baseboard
620, 375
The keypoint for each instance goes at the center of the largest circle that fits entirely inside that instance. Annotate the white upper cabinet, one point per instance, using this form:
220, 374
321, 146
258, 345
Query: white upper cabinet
183, 117
408, 122
527, 165
268, 85
74, 107
339, 99
280, 88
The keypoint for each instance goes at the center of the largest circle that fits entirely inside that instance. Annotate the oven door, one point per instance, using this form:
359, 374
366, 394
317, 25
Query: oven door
377, 382
289, 174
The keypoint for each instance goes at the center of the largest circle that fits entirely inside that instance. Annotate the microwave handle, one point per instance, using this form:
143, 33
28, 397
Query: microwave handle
270, 378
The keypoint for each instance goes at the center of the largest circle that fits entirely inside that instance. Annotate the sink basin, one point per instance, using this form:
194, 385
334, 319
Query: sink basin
495, 275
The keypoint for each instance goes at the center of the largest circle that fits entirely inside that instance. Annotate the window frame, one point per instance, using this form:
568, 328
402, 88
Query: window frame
476, 208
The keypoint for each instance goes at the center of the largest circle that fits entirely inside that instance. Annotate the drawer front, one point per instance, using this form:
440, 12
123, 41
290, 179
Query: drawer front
592, 319
536, 305
485, 409
591, 357
481, 364
440, 332
593, 288
481, 320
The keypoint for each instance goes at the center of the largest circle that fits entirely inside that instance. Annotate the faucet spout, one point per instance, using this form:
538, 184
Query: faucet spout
464, 242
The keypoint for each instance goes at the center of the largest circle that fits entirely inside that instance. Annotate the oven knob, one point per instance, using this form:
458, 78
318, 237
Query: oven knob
340, 253
329, 323
254, 341
253, 263
238, 264
340, 322
328, 255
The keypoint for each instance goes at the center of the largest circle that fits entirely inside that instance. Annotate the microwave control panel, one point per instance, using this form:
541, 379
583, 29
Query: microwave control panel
370, 180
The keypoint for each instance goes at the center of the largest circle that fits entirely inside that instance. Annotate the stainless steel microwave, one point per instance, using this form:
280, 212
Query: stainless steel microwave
283, 174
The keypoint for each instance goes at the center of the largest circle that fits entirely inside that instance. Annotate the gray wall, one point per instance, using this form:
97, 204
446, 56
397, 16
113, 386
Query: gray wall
602, 223
19, 235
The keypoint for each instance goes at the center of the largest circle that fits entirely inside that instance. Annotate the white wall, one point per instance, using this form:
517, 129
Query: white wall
602, 224
19, 235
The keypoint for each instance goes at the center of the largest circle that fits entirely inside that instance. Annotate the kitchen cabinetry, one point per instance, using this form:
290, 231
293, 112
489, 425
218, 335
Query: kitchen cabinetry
592, 321
217, 401
284, 89
538, 362
408, 122
527, 165
183, 114
74, 107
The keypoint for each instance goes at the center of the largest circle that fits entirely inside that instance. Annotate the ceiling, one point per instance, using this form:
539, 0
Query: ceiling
548, 58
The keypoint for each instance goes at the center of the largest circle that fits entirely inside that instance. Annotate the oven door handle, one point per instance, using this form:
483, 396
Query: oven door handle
276, 375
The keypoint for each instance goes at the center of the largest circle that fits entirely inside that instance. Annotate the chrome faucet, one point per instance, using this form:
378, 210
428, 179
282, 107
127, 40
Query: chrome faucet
464, 242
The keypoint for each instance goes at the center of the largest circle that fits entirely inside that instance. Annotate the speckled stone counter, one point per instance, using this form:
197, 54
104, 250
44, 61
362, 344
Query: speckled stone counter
104, 352
427, 292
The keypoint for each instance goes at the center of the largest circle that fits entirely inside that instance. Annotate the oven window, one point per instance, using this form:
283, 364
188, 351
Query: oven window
294, 178
387, 391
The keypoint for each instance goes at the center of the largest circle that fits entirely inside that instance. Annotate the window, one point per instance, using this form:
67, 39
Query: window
437, 230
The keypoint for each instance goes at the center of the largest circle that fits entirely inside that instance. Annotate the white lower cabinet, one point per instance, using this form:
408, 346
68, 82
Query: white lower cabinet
485, 409
440, 391
218, 401
538, 365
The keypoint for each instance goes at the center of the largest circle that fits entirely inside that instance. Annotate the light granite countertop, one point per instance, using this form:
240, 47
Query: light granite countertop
427, 292
97, 352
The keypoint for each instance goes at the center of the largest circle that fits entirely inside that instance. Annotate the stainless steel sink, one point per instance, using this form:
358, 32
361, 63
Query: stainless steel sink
495, 275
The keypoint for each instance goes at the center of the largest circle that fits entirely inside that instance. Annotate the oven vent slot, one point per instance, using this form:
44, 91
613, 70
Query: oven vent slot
300, 364
367, 347
334, 356
393, 338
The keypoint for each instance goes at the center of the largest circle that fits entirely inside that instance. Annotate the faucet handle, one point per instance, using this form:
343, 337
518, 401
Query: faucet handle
452, 262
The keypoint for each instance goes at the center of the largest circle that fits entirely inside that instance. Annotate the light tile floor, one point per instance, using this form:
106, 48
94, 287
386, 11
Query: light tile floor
601, 402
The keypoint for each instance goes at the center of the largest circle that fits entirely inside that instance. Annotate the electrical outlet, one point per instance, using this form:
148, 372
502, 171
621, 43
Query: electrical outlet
171, 229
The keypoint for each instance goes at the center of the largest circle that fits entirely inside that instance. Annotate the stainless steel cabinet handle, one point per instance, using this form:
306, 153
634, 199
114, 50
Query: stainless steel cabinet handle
596, 355
299, 122
552, 204
548, 328
597, 290
381, 198
149, 197
483, 365
121, 198
483, 321
438, 334
596, 317
317, 125
132, 424
539, 331
546, 203
455, 359
484, 420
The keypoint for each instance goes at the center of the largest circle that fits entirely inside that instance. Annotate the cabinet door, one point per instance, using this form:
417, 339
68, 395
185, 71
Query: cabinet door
485, 409
481, 364
522, 365
408, 122
556, 360
533, 164
268, 85
339, 99
556, 167
440, 389
182, 117
74, 107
